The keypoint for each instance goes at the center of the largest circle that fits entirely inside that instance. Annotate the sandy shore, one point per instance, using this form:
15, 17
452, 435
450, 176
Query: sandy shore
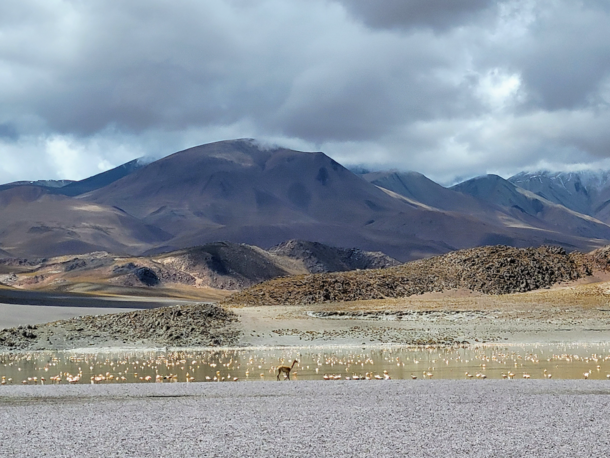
577, 312
395, 418
456, 418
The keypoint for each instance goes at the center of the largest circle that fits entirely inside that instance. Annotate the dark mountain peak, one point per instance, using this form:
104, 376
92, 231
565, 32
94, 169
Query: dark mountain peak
585, 191
530, 208
488, 178
408, 178
228, 170
393, 174
573, 181
498, 191
103, 179
42, 183
245, 152
412, 185
483, 185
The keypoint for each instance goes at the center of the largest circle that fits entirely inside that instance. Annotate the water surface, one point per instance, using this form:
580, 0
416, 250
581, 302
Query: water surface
543, 361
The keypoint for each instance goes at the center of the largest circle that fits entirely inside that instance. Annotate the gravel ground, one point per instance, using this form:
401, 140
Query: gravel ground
517, 418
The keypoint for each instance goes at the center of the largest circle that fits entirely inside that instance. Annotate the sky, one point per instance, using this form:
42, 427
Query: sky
450, 88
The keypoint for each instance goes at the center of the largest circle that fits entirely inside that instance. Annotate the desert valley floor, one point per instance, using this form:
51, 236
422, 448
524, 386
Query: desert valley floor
412, 411
576, 312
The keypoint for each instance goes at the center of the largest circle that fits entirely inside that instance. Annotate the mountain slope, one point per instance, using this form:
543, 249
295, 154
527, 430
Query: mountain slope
236, 183
220, 265
420, 188
37, 223
532, 209
45, 184
317, 257
101, 179
518, 218
238, 191
586, 192
242, 192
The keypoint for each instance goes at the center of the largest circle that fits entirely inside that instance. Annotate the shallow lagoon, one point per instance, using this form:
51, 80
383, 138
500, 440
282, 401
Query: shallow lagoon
557, 361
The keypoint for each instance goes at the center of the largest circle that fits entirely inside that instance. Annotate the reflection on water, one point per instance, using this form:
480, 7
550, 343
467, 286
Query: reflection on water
558, 361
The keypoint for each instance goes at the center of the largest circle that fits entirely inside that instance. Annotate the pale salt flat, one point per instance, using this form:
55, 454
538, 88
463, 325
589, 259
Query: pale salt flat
12, 315
423, 418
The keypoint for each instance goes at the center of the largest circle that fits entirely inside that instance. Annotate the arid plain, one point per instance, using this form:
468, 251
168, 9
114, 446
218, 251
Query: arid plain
574, 312
423, 417
480, 414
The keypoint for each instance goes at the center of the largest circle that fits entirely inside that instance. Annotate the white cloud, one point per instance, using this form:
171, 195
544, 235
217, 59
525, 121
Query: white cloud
498, 90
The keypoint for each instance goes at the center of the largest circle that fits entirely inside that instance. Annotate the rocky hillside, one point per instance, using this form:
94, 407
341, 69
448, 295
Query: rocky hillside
489, 270
178, 326
220, 265
226, 265
600, 258
317, 257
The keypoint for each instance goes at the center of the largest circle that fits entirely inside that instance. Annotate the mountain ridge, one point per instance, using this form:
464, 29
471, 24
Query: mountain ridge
242, 192
219, 265
587, 192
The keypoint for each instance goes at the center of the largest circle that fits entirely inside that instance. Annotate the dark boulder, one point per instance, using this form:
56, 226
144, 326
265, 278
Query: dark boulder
147, 276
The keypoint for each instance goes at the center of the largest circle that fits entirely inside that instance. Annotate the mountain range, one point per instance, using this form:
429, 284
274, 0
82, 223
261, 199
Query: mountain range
239, 191
587, 192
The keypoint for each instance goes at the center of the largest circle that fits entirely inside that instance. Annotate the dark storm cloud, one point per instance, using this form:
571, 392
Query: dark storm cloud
8, 131
370, 90
435, 14
445, 87
564, 58
149, 65
145, 65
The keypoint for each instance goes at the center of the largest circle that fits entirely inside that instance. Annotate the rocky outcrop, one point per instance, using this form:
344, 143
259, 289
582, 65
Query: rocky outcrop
488, 270
177, 326
318, 258
601, 258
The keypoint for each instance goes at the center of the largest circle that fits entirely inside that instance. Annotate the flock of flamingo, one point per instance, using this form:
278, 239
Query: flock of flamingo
332, 364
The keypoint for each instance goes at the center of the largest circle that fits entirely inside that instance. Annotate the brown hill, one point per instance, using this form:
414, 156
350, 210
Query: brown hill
489, 270
317, 257
221, 265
